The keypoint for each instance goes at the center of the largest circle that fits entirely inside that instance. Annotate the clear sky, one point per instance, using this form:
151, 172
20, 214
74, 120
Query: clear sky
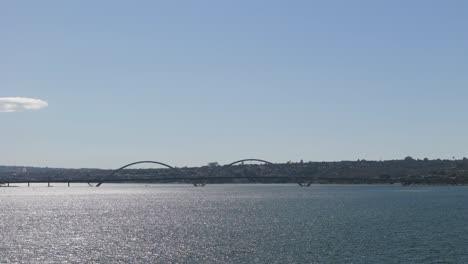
189, 82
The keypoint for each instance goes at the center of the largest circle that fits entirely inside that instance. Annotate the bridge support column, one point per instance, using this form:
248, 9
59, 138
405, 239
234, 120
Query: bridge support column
28, 184
68, 184
48, 184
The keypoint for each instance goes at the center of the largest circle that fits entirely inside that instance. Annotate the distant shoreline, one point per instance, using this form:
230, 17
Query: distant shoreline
406, 172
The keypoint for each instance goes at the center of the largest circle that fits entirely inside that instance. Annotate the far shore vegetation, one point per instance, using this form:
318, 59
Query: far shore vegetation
407, 171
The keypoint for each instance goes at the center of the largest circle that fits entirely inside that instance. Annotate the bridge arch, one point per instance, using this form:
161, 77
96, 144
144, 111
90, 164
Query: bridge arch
134, 163
140, 162
243, 160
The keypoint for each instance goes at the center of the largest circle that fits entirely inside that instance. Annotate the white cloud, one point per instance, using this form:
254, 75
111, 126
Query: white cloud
15, 104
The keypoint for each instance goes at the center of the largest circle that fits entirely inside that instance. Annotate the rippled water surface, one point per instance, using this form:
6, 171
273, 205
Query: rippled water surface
234, 224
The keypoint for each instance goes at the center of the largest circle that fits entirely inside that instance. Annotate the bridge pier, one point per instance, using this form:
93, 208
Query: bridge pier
29, 184
68, 184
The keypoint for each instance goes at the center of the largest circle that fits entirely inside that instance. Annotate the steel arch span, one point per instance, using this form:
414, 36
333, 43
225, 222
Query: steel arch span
240, 161
134, 163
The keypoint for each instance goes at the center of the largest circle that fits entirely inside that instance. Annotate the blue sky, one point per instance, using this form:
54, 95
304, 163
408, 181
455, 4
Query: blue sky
189, 82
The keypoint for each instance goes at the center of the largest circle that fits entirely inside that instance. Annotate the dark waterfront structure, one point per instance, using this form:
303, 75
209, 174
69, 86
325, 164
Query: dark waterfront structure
405, 172
173, 174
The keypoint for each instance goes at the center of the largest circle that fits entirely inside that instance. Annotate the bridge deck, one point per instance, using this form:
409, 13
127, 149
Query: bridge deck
197, 179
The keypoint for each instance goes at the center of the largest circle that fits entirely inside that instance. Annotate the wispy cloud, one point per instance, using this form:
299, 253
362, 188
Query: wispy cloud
15, 104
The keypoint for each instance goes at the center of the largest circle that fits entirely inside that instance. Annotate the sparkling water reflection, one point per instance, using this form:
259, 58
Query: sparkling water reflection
234, 224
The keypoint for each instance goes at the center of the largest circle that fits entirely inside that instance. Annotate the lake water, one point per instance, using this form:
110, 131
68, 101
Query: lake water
234, 224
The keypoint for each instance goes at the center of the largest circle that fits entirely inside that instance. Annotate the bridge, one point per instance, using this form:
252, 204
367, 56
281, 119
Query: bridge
202, 181
134, 163
197, 181
246, 160
182, 176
